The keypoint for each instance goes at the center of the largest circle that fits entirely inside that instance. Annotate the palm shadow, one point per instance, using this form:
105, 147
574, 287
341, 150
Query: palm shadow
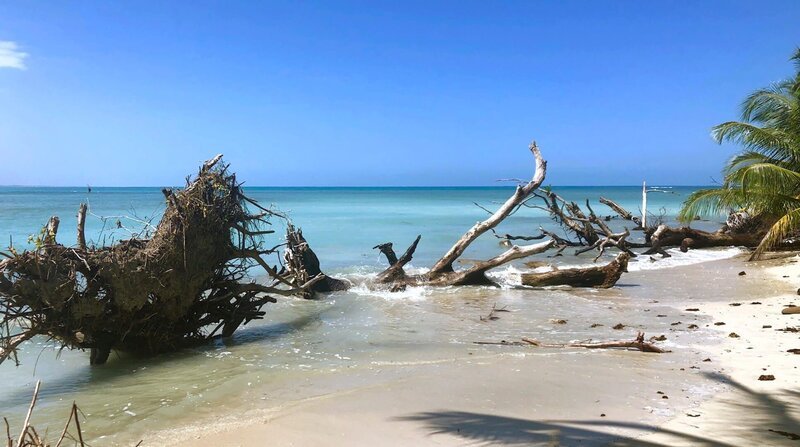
773, 417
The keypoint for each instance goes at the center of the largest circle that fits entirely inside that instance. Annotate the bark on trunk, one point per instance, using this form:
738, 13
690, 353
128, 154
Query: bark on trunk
302, 264
601, 277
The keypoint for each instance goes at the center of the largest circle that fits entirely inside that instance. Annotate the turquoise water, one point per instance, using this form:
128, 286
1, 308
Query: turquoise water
342, 224
298, 340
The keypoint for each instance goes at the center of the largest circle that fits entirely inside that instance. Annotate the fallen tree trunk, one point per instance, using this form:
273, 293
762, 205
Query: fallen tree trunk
178, 288
442, 272
601, 277
686, 238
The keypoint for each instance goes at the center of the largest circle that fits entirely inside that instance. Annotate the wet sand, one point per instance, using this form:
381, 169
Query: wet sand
510, 395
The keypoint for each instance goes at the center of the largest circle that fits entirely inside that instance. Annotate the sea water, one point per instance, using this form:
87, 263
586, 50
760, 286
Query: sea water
343, 333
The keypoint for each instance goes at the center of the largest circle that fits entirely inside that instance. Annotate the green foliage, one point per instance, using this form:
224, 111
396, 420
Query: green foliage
764, 178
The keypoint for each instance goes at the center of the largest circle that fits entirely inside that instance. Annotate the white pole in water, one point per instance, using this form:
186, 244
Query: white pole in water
644, 204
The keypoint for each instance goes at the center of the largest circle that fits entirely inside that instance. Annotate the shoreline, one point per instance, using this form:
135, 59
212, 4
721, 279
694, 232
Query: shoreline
426, 403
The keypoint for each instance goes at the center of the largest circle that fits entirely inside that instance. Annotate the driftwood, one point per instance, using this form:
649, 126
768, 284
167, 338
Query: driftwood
182, 286
601, 277
686, 238
302, 264
622, 212
637, 344
442, 272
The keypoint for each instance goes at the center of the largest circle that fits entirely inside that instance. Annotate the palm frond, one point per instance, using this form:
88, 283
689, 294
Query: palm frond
785, 226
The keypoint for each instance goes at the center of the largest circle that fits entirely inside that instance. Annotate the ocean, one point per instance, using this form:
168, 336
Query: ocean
282, 358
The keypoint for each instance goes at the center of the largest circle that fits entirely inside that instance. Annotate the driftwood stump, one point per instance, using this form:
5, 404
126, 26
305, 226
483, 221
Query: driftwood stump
601, 277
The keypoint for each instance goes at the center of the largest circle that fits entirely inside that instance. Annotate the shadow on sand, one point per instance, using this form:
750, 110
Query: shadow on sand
769, 419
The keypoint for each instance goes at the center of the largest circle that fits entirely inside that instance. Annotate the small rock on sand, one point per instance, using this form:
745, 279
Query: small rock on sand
766, 377
742, 273
791, 310
733, 335
558, 321
692, 309
619, 326
693, 326
794, 351
719, 323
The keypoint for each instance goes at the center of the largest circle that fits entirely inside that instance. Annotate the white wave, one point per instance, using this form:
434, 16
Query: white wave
680, 259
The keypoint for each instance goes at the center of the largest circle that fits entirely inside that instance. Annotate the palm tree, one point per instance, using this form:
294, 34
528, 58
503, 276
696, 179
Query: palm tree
764, 178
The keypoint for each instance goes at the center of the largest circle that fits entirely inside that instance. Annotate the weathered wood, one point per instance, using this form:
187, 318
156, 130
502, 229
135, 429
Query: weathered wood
686, 237
445, 264
601, 277
81, 224
622, 212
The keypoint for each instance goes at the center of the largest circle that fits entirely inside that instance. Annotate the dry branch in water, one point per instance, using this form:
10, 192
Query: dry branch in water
637, 344
29, 437
180, 287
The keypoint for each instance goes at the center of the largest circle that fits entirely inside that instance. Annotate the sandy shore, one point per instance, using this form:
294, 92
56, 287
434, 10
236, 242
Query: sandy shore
518, 398
751, 411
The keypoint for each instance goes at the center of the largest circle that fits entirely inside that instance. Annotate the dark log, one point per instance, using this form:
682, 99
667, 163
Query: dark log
395, 270
302, 265
637, 344
601, 277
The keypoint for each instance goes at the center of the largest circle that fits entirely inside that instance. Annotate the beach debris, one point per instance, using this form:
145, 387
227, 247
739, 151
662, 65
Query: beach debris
661, 316
692, 309
675, 323
793, 351
742, 273
602, 415
766, 326
719, 323
766, 377
755, 302
798, 291
789, 329
733, 335
172, 285
707, 360
693, 415
618, 326
792, 436
659, 338
558, 321
735, 304
791, 310
692, 326
493, 313
29, 436
302, 265
638, 344
596, 325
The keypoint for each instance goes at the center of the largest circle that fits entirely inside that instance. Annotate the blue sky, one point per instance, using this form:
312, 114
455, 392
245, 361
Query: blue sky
380, 93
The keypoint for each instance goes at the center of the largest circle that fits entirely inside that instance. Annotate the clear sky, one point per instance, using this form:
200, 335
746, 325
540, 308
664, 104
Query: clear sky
380, 93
